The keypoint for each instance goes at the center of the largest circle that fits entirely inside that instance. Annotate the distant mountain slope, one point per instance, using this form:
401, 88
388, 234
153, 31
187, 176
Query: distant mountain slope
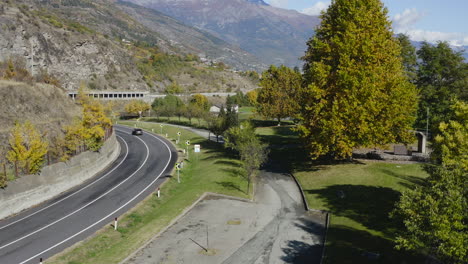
98, 43
274, 35
191, 40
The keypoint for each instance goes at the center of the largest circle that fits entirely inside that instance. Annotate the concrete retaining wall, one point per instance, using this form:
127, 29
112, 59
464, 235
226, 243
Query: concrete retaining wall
31, 190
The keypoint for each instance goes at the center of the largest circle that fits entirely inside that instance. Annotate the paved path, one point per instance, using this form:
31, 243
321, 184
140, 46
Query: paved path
201, 132
57, 224
274, 228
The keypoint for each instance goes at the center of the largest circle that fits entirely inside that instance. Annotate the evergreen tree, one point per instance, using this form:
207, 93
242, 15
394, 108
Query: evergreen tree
409, 57
356, 91
442, 76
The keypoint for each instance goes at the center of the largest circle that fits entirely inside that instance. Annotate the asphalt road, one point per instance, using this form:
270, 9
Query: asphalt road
43, 231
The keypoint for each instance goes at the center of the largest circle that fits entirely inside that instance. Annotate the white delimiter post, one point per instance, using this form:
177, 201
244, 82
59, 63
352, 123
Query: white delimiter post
115, 223
159, 192
40, 261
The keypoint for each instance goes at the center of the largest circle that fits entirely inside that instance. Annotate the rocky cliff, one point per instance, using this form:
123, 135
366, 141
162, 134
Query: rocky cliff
65, 49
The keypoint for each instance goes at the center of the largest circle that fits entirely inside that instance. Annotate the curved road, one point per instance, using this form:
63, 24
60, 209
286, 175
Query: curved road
41, 232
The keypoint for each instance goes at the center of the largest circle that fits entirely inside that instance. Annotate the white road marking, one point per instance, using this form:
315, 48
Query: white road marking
61, 200
81, 208
111, 214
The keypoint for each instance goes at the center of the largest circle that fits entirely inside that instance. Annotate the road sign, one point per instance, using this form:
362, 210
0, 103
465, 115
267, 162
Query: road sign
178, 133
161, 125
177, 166
197, 148
187, 142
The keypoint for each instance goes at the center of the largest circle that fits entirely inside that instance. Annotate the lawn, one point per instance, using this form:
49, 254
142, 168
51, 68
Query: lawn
212, 170
360, 224
360, 197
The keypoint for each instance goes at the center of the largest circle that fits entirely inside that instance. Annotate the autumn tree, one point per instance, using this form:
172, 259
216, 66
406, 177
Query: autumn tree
435, 215
90, 129
200, 101
442, 76
3, 173
277, 97
137, 107
356, 91
27, 147
252, 97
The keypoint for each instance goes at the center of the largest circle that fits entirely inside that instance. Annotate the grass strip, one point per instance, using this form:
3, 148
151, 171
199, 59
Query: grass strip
212, 170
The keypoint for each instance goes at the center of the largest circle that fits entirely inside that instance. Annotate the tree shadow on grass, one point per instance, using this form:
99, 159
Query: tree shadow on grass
229, 163
367, 205
235, 172
231, 186
348, 245
411, 181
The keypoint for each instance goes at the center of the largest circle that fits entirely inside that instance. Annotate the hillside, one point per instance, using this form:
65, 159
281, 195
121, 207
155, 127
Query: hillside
192, 40
95, 41
46, 106
68, 50
274, 35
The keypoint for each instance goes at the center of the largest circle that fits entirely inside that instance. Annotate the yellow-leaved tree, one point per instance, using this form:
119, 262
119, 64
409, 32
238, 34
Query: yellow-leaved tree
137, 107
90, 130
27, 147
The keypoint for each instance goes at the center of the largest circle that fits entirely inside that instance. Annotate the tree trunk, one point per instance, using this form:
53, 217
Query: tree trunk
248, 184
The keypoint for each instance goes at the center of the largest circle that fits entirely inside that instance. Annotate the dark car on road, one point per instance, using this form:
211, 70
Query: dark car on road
137, 131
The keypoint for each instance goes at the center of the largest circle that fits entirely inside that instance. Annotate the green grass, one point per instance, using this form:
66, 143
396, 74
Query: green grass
360, 221
246, 112
212, 170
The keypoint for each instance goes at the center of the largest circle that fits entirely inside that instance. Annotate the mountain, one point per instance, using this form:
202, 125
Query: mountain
274, 35
191, 40
98, 43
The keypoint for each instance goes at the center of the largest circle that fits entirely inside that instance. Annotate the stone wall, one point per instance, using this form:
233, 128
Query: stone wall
32, 190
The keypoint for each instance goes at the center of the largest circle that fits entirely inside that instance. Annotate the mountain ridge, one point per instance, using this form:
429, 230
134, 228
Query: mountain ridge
274, 35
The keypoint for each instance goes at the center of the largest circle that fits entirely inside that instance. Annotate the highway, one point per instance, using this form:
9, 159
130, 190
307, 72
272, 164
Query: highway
43, 231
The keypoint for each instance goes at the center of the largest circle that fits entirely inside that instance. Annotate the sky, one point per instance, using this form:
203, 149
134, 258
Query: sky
422, 20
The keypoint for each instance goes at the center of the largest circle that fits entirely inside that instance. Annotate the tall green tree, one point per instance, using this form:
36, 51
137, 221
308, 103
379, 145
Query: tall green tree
277, 97
253, 153
168, 106
442, 76
356, 91
409, 57
435, 215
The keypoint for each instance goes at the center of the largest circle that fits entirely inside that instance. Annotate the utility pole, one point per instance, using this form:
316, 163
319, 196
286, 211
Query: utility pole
427, 122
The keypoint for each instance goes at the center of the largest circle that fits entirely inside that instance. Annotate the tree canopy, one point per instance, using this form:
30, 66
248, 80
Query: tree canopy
435, 216
27, 147
136, 107
277, 97
442, 76
356, 91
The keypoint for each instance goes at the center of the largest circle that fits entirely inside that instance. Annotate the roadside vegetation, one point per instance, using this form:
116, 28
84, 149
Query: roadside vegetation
35, 136
213, 170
